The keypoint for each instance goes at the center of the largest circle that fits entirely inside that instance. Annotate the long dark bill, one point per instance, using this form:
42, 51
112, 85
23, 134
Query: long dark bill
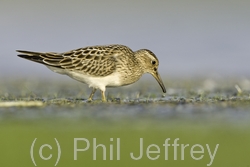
157, 76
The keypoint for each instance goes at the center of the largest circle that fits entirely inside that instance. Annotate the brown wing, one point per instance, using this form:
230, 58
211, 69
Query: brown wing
96, 61
92, 62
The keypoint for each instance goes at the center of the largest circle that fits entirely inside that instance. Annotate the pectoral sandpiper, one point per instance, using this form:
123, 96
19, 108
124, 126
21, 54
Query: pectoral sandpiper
100, 66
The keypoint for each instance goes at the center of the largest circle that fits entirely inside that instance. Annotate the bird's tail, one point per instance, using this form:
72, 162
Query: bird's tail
32, 56
51, 59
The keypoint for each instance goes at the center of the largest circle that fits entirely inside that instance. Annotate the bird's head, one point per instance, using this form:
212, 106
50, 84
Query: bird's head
149, 64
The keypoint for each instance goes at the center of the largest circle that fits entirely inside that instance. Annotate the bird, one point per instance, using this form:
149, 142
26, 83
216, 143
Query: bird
100, 66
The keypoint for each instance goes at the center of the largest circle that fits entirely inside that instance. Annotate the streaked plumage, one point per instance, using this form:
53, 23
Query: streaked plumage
100, 66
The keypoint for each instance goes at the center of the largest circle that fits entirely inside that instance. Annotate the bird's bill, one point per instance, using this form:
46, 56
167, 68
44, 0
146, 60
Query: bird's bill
157, 76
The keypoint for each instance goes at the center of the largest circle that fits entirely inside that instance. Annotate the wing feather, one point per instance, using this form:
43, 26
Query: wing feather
94, 60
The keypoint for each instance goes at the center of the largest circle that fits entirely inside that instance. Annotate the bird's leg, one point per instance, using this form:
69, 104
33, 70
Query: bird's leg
103, 96
92, 94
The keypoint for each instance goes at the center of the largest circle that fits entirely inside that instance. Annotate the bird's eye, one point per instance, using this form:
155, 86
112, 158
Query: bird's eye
153, 62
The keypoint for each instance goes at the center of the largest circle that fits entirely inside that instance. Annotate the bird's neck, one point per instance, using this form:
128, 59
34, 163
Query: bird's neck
141, 61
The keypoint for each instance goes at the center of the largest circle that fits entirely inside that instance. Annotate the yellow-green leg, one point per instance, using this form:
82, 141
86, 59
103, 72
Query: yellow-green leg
92, 94
103, 96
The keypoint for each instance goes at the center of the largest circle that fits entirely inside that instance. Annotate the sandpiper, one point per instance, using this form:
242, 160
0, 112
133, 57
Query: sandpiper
100, 66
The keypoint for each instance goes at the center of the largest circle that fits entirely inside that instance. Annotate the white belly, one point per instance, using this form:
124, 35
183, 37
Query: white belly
112, 80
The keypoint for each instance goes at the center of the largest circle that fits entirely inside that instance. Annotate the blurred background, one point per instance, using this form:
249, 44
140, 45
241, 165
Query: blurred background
190, 37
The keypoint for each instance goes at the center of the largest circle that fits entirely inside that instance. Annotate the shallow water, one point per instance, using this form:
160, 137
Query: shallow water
185, 99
